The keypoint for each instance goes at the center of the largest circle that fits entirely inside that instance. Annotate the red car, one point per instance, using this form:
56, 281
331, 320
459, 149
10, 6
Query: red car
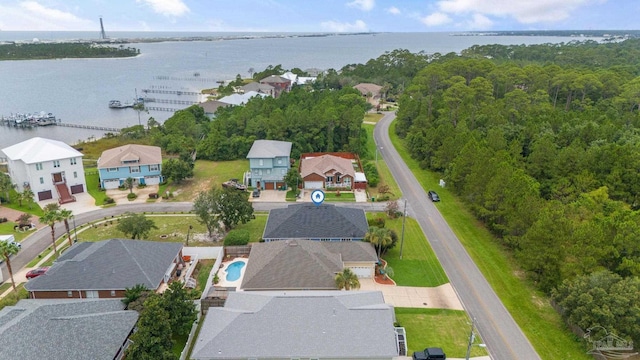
37, 272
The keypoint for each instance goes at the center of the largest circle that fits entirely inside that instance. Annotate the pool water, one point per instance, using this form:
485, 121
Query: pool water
234, 270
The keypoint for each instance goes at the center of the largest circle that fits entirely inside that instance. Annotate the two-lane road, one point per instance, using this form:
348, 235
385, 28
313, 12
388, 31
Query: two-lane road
503, 337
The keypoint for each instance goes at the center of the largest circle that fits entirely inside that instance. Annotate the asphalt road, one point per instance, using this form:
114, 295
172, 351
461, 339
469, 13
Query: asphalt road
41, 239
501, 334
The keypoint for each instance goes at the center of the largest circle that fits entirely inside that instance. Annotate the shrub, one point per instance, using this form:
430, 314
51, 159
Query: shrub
153, 196
131, 196
109, 200
379, 222
3, 220
236, 238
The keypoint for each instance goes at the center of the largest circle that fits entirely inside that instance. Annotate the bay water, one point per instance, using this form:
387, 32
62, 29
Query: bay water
78, 91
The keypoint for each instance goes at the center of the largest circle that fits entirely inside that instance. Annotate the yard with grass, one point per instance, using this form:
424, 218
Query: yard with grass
383, 170
205, 175
448, 329
531, 309
342, 196
13, 297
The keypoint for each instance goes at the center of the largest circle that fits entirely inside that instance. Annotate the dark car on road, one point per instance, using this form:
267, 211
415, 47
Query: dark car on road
429, 354
255, 193
433, 196
37, 272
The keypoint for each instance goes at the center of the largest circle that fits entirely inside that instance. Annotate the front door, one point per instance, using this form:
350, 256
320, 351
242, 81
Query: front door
57, 178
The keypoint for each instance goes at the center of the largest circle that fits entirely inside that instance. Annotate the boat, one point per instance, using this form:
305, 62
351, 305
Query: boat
115, 104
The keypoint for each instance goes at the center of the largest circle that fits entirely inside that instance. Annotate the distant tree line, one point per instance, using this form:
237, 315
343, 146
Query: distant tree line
546, 155
37, 51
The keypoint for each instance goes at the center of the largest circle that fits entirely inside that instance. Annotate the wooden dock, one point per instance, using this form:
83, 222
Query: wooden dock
26, 124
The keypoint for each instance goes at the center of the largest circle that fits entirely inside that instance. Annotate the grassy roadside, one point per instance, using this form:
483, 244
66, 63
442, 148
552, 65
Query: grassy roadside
383, 170
530, 308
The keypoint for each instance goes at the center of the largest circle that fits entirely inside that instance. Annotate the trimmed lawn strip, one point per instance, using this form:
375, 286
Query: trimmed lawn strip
93, 185
419, 265
5, 286
448, 329
383, 170
204, 268
30, 208
372, 117
344, 196
530, 308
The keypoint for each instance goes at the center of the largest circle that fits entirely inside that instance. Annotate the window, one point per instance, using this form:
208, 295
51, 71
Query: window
41, 180
279, 161
284, 171
255, 171
112, 169
69, 293
56, 163
75, 174
268, 171
134, 169
113, 293
329, 179
91, 294
154, 167
261, 162
38, 166
73, 161
259, 171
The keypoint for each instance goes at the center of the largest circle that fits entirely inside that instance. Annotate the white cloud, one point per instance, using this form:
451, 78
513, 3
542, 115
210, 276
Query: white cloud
167, 7
393, 10
31, 15
336, 26
364, 5
436, 19
480, 22
524, 11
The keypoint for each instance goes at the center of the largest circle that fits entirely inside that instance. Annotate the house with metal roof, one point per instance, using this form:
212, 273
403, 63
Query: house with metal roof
142, 163
104, 269
307, 221
299, 325
241, 99
305, 265
269, 162
65, 329
50, 168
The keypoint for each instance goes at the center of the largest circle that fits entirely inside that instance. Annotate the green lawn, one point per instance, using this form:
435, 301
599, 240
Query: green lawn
383, 170
13, 298
205, 175
448, 329
344, 196
255, 226
204, 268
93, 185
26, 207
372, 117
7, 228
5, 286
419, 265
530, 309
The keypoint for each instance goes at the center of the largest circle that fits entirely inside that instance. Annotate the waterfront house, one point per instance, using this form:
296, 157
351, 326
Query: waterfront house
55, 329
307, 221
142, 163
104, 269
50, 168
305, 265
280, 84
257, 87
240, 99
210, 107
299, 325
269, 161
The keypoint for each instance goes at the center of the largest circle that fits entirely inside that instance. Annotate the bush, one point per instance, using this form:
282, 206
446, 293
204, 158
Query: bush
153, 196
131, 196
237, 238
379, 222
109, 200
3, 220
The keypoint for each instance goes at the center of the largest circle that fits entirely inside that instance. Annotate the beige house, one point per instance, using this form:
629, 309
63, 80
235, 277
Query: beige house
327, 171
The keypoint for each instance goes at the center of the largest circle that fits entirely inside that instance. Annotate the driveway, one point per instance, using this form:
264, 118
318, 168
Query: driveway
270, 196
441, 297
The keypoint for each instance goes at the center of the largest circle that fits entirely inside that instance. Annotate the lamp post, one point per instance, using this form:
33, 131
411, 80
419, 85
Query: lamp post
472, 338
404, 219
188, 231
75, 231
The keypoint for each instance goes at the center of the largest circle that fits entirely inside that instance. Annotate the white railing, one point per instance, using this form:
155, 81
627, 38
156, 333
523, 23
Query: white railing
213, 272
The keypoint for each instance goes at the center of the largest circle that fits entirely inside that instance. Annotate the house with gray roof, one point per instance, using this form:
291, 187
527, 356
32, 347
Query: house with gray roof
104, 269
307, 221
210, 107
306, 265
258, 87
297, 325
269, 162
55, 329
279, 83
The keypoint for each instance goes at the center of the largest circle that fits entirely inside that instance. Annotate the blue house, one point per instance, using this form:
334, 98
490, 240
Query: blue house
269, 163
142, 163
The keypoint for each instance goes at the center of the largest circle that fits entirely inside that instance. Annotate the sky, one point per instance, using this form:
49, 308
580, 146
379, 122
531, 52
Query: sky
318, 15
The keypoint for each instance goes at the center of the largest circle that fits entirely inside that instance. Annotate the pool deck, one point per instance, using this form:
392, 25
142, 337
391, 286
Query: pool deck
222, 274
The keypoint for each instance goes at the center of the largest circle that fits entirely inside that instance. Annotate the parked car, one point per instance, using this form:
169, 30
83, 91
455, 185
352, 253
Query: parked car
433, 196
37, 272
429, 354
255, 193
234, 184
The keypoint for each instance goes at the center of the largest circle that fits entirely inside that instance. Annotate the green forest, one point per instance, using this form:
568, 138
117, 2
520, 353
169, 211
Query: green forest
39, 51
541, 143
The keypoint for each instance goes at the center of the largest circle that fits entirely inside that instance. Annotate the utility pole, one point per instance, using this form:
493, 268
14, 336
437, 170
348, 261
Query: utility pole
404, 219
471, 338
75, 231
188, 232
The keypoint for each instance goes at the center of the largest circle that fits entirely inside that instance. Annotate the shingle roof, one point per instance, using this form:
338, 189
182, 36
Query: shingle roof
275, 79
366, 88
212, 106
269, 149
64, 329
113, 264
298, 324
144, 154
39, 149
308, 221
301, 264
256, 86
240, 99
326, 163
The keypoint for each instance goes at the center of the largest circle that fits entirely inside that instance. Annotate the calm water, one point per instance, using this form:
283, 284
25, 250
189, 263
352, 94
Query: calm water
79, 90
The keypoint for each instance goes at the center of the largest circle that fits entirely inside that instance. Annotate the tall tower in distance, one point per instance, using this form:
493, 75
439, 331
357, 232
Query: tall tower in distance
103, 35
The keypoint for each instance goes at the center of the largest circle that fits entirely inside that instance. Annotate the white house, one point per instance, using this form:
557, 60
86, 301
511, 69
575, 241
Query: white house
50, 168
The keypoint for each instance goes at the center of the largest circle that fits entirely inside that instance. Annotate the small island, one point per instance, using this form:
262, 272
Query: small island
43, 51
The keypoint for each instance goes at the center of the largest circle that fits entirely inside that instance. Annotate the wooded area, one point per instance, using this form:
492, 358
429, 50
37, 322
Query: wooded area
63, 50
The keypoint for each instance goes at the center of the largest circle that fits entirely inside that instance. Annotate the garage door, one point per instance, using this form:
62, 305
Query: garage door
313, 184
45, 195
152, 180
362, 272
269, 186
111, 184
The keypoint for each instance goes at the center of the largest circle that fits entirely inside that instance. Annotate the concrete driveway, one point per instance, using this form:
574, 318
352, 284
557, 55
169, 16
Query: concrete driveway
441, 297
270, 196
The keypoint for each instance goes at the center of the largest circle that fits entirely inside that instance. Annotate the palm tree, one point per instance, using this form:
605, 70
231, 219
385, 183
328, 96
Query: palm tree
129, 184
379, 237
65, 215
26, 195
51, 217
6, 250
347, 280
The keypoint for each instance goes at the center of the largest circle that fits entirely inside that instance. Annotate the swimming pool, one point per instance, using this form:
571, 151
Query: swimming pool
234, 270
